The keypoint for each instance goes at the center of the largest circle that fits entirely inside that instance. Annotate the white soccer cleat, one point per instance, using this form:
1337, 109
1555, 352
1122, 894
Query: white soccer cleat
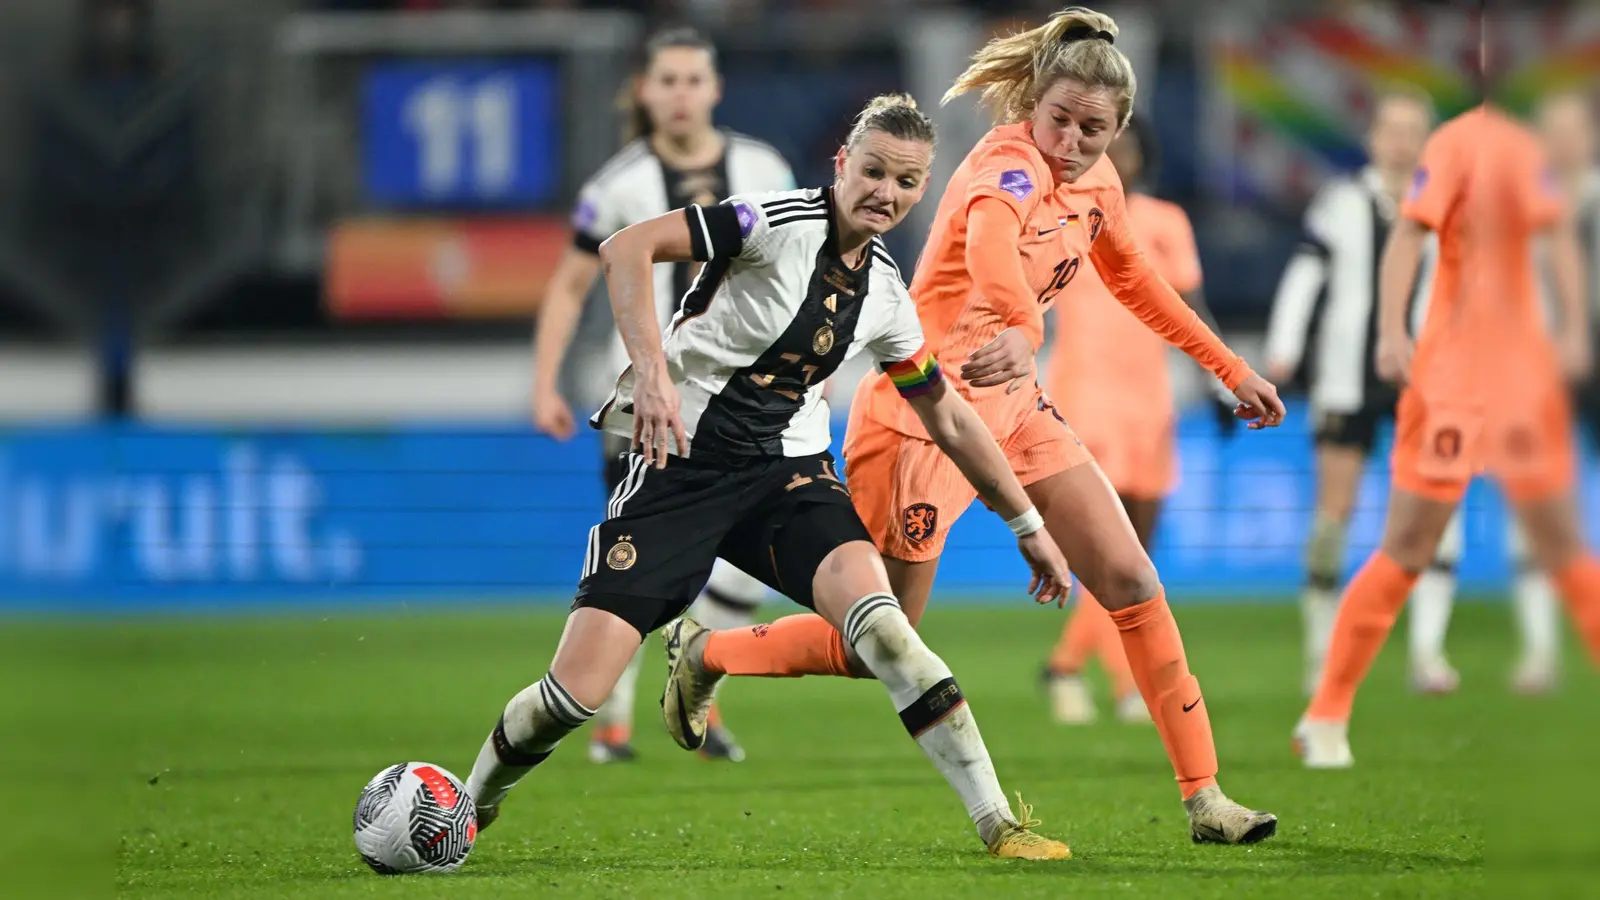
1070, 701
1323, 745
1434, 676
1132, 711
686, 700
1535, 674
1214, 819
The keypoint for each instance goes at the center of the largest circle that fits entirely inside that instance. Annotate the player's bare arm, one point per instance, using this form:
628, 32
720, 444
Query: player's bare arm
1396, 275
626, 258
961, 434
1567, 269
557, 320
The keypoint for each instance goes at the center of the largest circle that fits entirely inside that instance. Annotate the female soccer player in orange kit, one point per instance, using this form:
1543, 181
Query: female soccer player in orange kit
1485, 190
1109, 376
1033, 203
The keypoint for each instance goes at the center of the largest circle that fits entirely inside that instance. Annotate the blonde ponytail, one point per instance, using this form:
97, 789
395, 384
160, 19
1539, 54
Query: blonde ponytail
1012, 71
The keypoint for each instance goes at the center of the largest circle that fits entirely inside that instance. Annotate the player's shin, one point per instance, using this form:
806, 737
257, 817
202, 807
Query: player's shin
531, 726
1161, 670
1537, 617
1431, 603
614, 718
931, 706
1320, 602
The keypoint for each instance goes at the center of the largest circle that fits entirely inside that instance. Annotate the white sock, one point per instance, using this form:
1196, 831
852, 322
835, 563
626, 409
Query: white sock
730, 599
531, 726
1434, 596
1538, 610
1319, 604
618, 708
931, 707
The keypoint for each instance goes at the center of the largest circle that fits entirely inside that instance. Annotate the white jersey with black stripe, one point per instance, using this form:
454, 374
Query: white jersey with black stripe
772, 314
636, 185
1330, 289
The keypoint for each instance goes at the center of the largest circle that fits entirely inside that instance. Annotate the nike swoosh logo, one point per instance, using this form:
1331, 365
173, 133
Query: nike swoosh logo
697, 740
1189, 706
1045, 231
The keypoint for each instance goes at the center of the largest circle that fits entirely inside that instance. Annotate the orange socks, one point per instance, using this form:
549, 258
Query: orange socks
1155, 655
1367, 612
788, 648
1090, 630
1579, 584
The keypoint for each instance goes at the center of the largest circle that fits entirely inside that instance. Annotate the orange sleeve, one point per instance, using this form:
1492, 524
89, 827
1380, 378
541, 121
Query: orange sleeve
994, 263
1435, 185
1128, 275
1012, 173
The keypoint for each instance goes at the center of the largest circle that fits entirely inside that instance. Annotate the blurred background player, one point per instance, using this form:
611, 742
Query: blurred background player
1328, 294
1485, 189
1022, 214
1565, 125
1108, 374
674, 156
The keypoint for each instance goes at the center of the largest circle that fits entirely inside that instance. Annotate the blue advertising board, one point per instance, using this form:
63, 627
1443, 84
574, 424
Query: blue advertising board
462, 134
135, 517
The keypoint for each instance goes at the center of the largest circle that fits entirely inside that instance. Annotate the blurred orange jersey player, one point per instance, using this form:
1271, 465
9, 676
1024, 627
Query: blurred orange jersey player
1484, 393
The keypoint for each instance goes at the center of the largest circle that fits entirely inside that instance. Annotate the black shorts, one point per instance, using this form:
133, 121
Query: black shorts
776, 519
1357, 430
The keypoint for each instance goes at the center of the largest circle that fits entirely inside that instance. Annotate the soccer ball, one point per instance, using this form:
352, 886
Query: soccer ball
415, 817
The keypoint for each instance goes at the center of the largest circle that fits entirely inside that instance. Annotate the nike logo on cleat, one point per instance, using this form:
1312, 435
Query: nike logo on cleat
696, 741
1189, 706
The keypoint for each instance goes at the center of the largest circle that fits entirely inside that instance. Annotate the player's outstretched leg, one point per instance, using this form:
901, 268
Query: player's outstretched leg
1085, 516
1556, 540
931, 705
1431, 603
595, 648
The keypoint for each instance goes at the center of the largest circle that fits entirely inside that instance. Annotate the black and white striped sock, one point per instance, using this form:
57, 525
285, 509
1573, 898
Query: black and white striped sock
533, 723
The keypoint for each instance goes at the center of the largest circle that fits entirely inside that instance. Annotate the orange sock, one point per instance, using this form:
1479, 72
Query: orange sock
788, 648
1078, 637
613, 734
1155, 655
1367, 612
1579, 584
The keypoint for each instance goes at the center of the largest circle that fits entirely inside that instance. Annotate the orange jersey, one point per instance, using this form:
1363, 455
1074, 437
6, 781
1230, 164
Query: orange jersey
1105, 362
1483, 188
1063, 228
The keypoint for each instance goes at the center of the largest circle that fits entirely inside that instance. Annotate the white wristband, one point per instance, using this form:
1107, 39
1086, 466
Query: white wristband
1027, 523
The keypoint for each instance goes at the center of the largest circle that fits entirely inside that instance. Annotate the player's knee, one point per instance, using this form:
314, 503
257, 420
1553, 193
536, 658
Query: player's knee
1412, 544
1127, 583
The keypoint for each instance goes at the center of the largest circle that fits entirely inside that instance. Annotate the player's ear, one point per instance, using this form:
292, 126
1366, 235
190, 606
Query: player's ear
838, 164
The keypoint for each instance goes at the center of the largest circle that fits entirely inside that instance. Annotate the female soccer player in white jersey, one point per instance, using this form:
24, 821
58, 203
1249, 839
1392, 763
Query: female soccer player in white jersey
731, 460
674, 156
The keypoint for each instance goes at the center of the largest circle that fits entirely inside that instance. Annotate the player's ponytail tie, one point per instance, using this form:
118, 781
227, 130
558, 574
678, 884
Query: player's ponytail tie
1086, 32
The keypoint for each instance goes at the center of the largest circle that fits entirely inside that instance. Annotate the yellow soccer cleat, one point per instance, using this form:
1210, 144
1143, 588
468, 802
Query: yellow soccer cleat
689, 692
1017, 842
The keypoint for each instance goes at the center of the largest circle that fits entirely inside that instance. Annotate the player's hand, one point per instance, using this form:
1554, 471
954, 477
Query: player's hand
1394, 358
1009, 357
1259, 405
656, 424
1577, 357
552, 415
1051, 580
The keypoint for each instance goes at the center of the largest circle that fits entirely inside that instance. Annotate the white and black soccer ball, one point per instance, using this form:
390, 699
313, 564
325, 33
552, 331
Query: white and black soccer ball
415, 817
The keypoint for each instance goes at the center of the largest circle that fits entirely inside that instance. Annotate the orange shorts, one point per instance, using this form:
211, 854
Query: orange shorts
1138, 457
1440, 447
908, 493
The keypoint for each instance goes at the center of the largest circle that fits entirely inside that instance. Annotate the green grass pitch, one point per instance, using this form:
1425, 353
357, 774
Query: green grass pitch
236, 748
